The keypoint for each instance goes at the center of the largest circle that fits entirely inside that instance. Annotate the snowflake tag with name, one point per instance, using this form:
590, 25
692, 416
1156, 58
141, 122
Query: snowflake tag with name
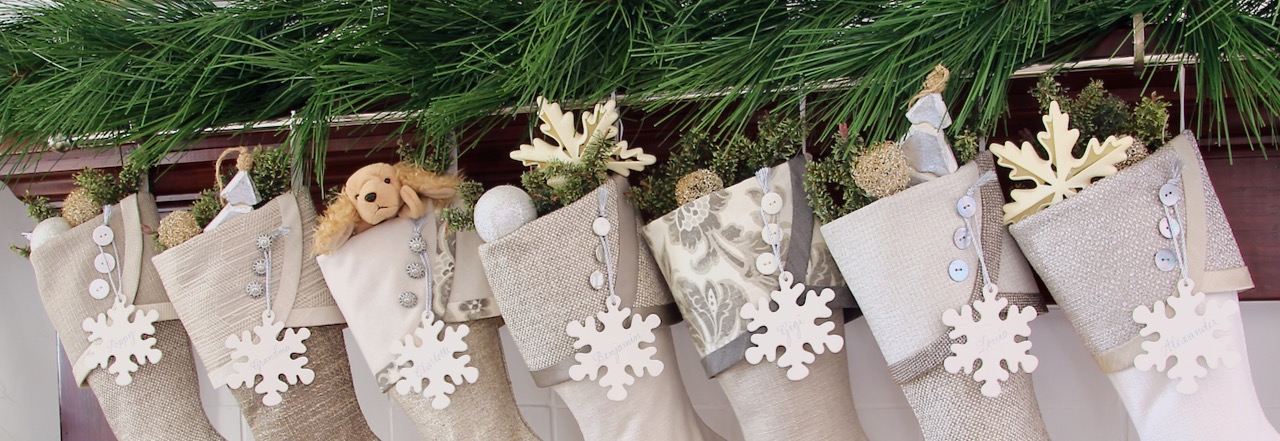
114, 336
270, 357
615, 348
433, 361
1186, 335
990, 340
791, 326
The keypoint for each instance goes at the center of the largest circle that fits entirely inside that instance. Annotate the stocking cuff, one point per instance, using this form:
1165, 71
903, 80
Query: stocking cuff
1097, 250
64, 267
707, 250
897, 255
207, 278
540, 275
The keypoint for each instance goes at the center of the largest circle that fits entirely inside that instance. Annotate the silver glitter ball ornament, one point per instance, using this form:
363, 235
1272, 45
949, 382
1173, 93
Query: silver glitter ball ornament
260, 267
408, 299
417, 245
415, 270
255, 290
502, 210
264, 242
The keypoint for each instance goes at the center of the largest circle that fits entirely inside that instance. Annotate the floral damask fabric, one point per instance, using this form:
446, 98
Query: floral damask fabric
707, 250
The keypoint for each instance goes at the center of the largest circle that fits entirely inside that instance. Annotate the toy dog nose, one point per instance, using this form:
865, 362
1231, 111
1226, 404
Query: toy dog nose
370, 197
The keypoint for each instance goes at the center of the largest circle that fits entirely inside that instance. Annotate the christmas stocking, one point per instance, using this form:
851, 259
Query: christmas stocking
717, 260
258, 313
915, 261
98, 286
382, 280
588, 311
1127, 259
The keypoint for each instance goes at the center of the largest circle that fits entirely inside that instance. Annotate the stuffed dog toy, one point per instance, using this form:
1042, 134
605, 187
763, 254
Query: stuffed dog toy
377, 192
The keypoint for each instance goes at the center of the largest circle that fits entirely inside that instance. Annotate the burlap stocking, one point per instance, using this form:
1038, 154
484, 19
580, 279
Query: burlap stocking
369, 274
1097, 252
707, 250
207, 278
163, 401
896, 254
484, 410
540, 274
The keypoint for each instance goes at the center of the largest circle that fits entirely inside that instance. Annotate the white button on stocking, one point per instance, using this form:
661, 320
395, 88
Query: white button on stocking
771, 203
1166, 261
597, 280
767, 264
1170, 194
966, 206
103, 236
600, 226
1169, 229
961, 238
958, 270
772, 234
104, 263
99, 289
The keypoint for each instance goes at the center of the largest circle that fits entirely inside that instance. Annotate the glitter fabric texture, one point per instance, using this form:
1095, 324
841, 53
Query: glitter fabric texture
1099, 290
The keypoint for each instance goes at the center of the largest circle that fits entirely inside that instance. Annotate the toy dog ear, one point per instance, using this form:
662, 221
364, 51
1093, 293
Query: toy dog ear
413, 207
336, 226
443, 193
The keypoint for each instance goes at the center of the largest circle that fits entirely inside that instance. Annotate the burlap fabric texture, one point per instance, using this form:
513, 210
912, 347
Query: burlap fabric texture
895, 254
707, 251
163, 401
1096, 253
367, 276
540, 278
206, 278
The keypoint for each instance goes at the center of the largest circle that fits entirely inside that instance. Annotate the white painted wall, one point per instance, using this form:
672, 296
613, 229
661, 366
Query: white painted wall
1077, 401
28, 345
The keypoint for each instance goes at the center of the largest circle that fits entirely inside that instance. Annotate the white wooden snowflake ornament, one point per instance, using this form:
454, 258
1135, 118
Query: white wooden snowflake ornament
1062, 175
615, 348
270, 357
990, 340
791, 327
571, 144
433, 361
1187, 335
114, 336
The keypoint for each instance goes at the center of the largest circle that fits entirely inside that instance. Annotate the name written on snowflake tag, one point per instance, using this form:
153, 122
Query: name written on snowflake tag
122, 343
427, 355
615, 348
792, 327
990, 340
1187, 335
615, 355
269, 357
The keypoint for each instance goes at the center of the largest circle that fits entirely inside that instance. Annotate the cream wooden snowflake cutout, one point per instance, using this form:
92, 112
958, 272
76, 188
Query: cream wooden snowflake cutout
433, 361
615, 348
597, 125
1186, 335
270, 357
112, 336
791, 327
990, 340
1063, 174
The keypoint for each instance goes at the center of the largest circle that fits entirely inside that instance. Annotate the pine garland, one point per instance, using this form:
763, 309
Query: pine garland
162, 72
